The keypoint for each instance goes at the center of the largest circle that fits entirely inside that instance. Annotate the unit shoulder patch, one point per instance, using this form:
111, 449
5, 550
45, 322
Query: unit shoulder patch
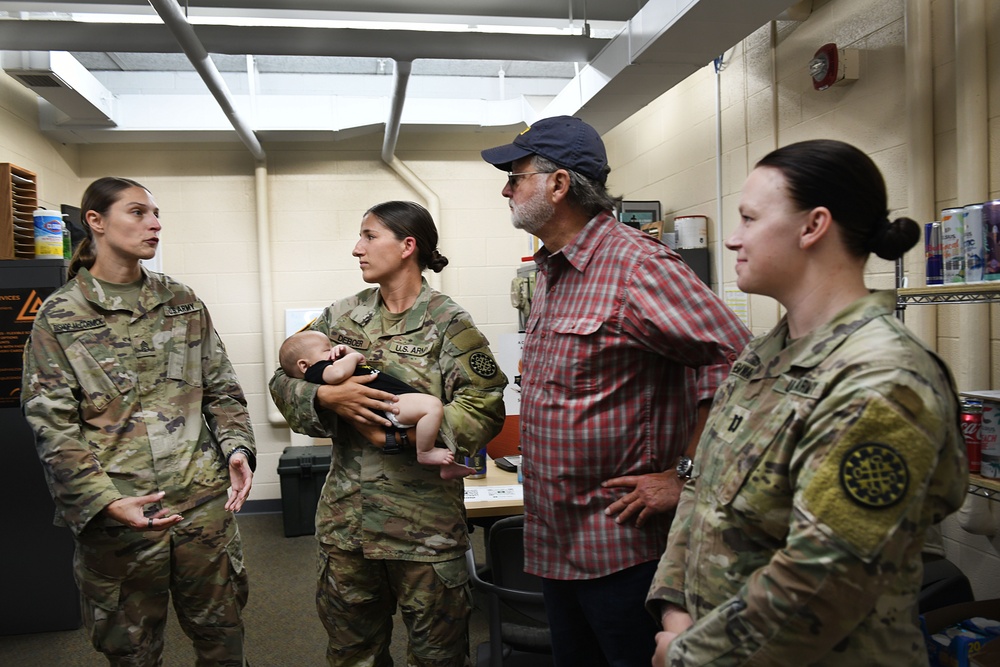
864, 484
483, 365
874, 475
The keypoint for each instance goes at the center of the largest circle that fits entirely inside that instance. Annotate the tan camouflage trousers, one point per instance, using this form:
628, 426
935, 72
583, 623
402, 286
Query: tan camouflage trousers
357, 598
126, 579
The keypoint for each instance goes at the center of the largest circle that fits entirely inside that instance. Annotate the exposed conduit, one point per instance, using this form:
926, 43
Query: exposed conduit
972, 174
720, 63
172, 16
401, 77
265, 282
919, 78
773, 41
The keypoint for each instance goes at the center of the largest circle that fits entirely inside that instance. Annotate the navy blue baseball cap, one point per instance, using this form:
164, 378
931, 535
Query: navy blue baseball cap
565, 140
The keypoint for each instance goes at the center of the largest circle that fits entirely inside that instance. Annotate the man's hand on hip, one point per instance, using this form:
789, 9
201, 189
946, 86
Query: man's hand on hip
653, 493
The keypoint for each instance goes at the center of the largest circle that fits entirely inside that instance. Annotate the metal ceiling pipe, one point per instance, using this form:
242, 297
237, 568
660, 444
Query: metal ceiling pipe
172, 16
400, 79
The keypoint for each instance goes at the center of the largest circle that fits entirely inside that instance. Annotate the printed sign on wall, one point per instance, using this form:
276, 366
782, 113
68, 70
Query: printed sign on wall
18, 308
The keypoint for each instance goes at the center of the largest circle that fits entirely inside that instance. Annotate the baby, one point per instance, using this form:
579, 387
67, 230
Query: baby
308, 355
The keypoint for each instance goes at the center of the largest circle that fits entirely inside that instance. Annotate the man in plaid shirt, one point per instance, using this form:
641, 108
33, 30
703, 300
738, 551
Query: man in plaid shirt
624, 350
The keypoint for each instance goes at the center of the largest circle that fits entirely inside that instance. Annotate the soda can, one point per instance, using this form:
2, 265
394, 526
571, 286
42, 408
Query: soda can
478, 463
932, 251
975, 241
953, 244
991, 232
989, 435
972, 424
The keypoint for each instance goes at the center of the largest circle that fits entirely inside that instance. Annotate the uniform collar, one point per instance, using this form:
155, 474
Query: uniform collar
368, 309
152, 293
810, 350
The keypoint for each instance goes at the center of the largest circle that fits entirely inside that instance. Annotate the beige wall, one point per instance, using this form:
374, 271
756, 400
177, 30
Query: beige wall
317, 197
665, 152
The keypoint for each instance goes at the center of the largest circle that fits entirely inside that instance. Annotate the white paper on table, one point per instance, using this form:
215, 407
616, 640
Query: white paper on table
476, 494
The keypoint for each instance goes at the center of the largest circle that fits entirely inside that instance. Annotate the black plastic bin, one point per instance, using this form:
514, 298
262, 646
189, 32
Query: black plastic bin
302, 471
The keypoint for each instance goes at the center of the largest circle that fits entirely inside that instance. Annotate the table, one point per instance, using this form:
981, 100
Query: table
987, 487
498, 493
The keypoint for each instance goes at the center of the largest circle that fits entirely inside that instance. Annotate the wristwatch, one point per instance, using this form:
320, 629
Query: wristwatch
251, 459
392, 445
684, 467
395, 441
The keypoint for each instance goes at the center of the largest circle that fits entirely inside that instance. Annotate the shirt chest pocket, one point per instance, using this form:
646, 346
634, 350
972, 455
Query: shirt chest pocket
410, 360
182, 342
756, 443
570, 361
99, 366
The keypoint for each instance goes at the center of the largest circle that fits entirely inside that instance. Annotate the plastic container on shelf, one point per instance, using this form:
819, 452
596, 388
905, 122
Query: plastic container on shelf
48, 233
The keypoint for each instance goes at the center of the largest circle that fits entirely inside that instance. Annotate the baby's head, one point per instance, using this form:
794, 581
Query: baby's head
301, 350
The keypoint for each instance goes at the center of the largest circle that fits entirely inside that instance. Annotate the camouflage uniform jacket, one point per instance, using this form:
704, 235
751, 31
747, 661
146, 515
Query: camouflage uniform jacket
389, 506
118, 417
824, 461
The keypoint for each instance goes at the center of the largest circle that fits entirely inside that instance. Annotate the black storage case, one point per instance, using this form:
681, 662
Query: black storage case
36, 561
302, 471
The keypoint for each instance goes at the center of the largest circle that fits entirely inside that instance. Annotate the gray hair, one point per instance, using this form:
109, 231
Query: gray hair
591, 196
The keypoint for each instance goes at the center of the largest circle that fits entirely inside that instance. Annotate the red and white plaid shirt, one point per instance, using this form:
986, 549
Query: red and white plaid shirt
622, 343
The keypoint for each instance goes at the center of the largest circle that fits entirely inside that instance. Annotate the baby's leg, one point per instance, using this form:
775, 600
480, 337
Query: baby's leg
426, 412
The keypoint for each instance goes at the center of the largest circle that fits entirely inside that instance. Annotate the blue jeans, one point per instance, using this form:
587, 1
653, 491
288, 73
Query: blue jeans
602, 622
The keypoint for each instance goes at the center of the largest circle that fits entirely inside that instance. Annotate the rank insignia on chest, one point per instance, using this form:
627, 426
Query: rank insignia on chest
144, 349
874, 475
729, 427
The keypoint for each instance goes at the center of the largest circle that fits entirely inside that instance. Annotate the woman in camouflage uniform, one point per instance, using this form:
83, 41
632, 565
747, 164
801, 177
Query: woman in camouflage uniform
141, 427
829, 451
390, 530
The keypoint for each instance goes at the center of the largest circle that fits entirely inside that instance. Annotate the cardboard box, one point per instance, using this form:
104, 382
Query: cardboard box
302, 471
988, 657
964, 651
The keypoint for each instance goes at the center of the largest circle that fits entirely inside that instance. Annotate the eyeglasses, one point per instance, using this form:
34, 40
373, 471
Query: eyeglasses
514, 179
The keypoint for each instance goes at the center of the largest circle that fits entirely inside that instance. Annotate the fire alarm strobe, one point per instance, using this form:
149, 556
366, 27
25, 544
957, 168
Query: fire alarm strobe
831, 66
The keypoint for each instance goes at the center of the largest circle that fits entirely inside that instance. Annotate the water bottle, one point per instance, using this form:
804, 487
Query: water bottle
478, 463
67, 242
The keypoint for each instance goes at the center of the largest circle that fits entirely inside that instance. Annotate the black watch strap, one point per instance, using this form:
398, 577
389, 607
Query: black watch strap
251, 459
391, 444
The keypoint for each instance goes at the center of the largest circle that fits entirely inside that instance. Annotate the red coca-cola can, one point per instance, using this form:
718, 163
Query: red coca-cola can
972, 423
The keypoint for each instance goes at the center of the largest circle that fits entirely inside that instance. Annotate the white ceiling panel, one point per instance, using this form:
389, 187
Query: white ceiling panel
308, 69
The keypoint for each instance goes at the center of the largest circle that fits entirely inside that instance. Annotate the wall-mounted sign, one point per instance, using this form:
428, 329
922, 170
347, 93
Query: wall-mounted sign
638, 213
17, 313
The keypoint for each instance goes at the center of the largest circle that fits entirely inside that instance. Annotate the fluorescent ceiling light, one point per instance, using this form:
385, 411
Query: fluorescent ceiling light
604, 29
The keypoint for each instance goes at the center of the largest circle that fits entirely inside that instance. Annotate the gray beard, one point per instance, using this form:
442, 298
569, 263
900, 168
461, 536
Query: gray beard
532, 215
